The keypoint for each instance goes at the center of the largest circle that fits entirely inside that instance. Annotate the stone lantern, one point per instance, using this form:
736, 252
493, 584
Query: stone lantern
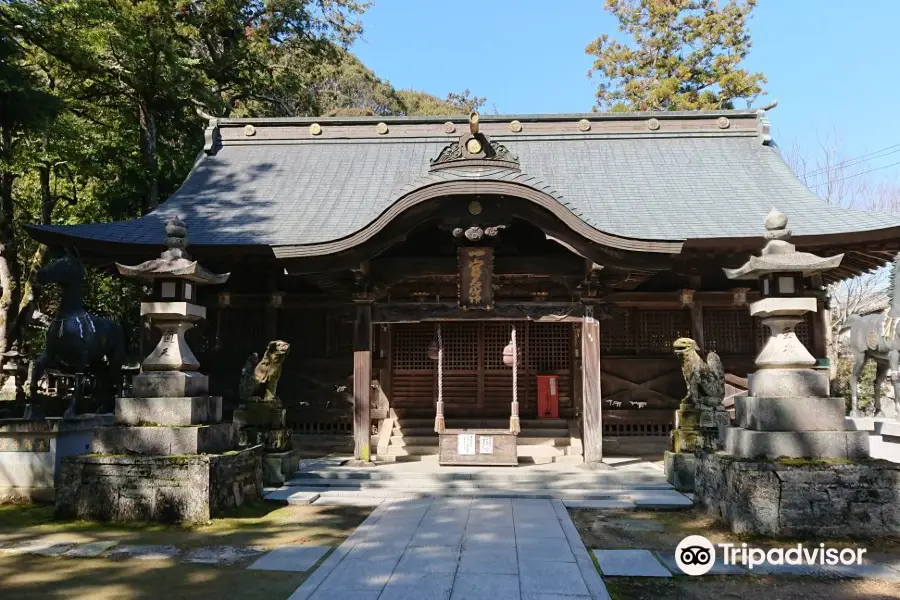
171, 369
170, 455
788, 411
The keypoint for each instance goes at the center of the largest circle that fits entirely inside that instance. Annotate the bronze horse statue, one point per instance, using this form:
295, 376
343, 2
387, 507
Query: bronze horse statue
877, 336
77, 341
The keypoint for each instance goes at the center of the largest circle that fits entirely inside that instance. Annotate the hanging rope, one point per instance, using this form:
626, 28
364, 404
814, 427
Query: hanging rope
514, 426
439, 413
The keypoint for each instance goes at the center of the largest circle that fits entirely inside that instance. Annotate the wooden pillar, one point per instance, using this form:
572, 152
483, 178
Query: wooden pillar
362, 381
697, 324
592, 430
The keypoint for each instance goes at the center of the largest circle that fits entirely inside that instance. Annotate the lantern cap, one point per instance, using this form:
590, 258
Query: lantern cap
781, 256
174, 262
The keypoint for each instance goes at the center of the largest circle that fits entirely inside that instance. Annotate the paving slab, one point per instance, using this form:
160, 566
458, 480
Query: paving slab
347, 501
659, 499
720, 568
291, 558
544, 550
480, 586
329, 594
354, 574
495, 560
630, 563
92, 550
141, 552
418, 586
40, 547
438, 537
614, 503
429, 559
291, 496
551, 578
227, 555
540, 529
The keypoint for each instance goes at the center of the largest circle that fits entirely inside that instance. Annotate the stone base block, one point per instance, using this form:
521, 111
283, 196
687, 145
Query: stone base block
272, 440
260, 414
170, 384
278, 467
169, 411
813, 500
788, 383
796, 444
890, 429
160, 441
175, 489
680, 470
790, 414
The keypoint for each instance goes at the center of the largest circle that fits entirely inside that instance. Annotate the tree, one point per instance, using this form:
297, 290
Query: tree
683, 55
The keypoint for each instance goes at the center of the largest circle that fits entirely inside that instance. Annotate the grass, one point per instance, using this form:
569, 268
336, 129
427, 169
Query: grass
254, 524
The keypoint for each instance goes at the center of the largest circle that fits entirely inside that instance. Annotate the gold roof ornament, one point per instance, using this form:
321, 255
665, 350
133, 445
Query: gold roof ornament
474, 120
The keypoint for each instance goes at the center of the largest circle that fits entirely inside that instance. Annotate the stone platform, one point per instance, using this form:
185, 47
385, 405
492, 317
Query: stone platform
681, 469
176, 489
31, 451
746, 443
801, 498
190, 439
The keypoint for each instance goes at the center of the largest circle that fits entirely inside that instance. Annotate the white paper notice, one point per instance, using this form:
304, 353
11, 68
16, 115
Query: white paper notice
465, 444
486, 446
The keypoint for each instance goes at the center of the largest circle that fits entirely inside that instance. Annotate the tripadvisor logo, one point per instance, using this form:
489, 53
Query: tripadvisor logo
696, 555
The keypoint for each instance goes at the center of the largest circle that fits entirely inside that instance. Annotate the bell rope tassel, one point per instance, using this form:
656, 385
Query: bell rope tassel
439, 412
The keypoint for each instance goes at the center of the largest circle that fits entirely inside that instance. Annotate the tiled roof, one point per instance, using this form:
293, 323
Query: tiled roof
289, 188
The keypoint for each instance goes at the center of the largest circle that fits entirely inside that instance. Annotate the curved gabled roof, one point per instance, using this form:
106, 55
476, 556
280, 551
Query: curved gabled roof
688, 176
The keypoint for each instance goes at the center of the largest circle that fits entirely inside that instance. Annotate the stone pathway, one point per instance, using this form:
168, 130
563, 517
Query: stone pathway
460, 548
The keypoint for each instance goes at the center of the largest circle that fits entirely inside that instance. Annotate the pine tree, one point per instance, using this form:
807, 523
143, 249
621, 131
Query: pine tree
682, 55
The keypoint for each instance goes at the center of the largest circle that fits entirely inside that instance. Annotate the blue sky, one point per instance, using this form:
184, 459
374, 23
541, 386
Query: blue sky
832, 65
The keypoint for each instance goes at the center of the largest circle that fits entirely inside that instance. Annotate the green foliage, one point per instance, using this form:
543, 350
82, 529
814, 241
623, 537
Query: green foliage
682, 55
103, 105
866, 389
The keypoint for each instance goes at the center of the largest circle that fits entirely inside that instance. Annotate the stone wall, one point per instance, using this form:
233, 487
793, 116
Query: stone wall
175, 489
855, 499
234, 479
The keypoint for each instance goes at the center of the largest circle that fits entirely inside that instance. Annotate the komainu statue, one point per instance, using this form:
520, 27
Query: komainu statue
705, 380
259, 378
877, 336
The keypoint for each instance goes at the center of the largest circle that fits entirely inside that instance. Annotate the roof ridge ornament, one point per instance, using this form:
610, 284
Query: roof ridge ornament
472, 147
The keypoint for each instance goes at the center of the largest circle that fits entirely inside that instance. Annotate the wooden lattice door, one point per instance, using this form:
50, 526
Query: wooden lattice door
476, 382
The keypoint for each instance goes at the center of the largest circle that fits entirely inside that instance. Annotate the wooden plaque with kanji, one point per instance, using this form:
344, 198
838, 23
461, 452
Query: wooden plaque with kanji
476, 271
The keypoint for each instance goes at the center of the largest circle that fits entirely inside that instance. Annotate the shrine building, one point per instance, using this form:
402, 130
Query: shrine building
400, 256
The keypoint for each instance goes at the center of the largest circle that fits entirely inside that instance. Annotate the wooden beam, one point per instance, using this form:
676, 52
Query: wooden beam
362, 381
592, 429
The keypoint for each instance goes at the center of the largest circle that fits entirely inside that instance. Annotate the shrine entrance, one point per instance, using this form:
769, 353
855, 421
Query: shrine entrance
476, 383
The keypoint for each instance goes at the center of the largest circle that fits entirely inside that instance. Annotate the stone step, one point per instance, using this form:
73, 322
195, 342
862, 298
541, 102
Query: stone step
655, 499
587, 481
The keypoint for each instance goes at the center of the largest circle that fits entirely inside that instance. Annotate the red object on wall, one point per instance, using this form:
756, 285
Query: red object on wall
548, 396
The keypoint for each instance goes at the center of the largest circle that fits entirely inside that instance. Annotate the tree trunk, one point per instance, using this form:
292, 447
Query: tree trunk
149, 157
8, 265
